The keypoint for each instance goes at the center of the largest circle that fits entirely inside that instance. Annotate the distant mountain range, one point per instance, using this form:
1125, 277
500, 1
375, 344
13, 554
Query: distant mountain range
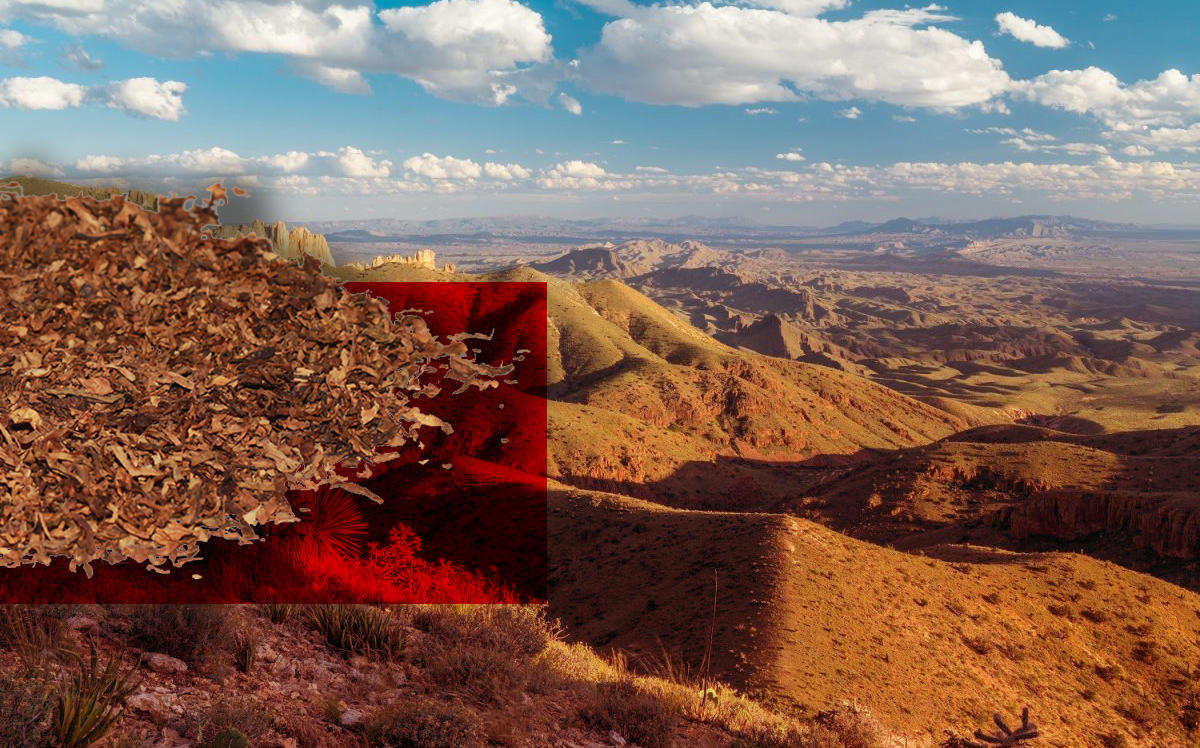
541, 229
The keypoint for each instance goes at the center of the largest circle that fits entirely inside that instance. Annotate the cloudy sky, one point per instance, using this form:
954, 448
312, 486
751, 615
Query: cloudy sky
782, 111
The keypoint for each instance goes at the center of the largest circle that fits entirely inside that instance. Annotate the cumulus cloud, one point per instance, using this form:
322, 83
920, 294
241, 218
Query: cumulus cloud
354, 163
442, 167
790, 156
726, 54
12, 39
42, 92
146, 97
468, 50
1026, 30
33, 166
1104, 178
851, 113
754, 111
1168, 100
570, 104
506, 172
143, 97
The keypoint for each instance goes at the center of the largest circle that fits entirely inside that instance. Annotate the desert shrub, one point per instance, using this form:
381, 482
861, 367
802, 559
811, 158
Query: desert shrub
277, 612
245, 651
853, 726
90, 703
1113, 740
230, 738
24, 711
193, 633
34, 634
519, 629
636, 715
243, 715
764, 736
423, 723
488, 674
358, 629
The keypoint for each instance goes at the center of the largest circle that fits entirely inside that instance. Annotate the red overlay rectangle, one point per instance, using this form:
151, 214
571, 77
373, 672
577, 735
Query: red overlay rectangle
462, 518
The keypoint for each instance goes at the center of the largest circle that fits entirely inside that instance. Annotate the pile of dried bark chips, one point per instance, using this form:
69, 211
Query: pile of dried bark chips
159, 387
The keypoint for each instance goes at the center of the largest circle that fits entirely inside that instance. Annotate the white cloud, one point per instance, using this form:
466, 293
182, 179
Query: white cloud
291, 161
851, 113
472, 50
11, 39
790, 156
32, 166
1109, 17
1136, 150
650, 169
1168, 100
343, 80
442, 167
41, 92
506, 172
78, 57
724, 54
355, 163
761, 110
1026, 30
616, 142
147, 97
903, 118
570, 104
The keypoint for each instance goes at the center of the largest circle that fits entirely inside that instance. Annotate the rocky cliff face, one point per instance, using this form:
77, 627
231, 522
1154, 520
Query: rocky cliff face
1169, 526
290, 244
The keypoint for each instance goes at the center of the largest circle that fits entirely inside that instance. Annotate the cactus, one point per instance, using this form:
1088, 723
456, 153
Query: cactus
230, 738
1006, 737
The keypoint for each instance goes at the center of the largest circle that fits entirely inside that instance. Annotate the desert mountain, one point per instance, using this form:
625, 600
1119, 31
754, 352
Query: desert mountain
807, 616
643, 403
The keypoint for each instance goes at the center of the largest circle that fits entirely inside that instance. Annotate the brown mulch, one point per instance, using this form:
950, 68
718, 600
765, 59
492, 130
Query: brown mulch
159, 387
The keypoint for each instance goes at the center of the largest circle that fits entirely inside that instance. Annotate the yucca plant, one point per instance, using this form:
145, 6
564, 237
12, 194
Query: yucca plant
357, 629
91, 702
277, 612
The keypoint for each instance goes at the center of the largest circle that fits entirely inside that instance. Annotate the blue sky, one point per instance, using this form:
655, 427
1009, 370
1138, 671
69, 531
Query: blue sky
783, 111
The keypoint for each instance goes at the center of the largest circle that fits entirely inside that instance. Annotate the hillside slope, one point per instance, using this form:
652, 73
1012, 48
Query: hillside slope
807, 617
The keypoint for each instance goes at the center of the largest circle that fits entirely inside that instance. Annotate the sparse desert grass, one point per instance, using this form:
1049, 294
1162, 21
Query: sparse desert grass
491, 676
245, 715
357, 629
34, 634
421, 722
245, 651
520, 629
277, 612
638, 716
193, 633
25, 709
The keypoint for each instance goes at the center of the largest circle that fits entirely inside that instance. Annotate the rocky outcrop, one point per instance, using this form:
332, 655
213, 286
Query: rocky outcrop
291, 244
1167, 524
423, 258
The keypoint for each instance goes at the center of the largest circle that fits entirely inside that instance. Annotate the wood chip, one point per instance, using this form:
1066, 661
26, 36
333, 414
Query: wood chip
159, 387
